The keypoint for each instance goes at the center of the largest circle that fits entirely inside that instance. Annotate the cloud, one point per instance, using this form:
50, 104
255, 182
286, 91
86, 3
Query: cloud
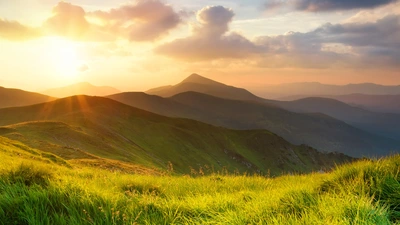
214, 20
209, 39
358, 44
327, 5
372, 15
12, 30
363, 44
68, 20
384, 32
143, 20
146, 20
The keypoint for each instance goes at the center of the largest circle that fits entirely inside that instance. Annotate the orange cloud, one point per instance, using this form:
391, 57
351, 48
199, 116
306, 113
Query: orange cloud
12, 30
209, 39
146, 20
68, 20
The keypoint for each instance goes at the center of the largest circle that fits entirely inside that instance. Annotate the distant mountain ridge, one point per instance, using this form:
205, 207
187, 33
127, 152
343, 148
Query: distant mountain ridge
318, 89
83, 88
317, 130
10, 97
384, 124
204, 85
376, 103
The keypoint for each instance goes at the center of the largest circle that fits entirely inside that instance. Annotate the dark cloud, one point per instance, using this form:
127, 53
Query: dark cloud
330, 5
12, 30
67, 20
377, 42
384, 33
209, 39
327, 5
146, 20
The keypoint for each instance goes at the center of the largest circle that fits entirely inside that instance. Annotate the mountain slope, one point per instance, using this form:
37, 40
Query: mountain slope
155, 104
377, 103
374, 103
14, 97
204, 85
83, 88
317, 130
384, 124
105, 128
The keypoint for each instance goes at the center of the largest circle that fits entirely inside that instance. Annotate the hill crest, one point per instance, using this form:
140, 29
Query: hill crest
11, 97
204, 85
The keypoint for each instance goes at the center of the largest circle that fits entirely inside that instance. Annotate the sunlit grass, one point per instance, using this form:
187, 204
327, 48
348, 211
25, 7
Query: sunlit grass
37, 190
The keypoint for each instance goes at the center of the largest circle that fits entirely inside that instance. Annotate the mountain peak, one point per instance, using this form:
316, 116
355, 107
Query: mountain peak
196, 78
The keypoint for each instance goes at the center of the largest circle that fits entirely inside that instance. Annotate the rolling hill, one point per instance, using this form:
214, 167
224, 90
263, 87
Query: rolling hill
377, 103
83, 88
296, 126
374, 103
156, 104
384, 124
204, 85
38, 187
10, 97
317, 130
83, 128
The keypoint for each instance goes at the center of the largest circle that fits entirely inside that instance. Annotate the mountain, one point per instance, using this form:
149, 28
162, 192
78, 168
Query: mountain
156, 104
85, 128
204, 85
14, 97
384, 124
318, 89
83, 88
375, 103
317, 130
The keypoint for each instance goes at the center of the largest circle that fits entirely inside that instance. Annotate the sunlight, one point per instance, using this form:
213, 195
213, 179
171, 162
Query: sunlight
65, 58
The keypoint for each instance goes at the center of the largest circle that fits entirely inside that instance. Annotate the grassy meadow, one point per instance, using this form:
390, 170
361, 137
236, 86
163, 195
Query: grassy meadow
41, 188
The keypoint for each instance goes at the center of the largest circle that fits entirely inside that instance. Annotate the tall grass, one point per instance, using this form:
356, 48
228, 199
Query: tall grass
44, 192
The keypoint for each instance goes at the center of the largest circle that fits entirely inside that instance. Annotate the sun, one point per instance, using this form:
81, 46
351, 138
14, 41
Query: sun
65, 58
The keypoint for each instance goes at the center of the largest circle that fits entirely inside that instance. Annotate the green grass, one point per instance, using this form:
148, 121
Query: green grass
37, 190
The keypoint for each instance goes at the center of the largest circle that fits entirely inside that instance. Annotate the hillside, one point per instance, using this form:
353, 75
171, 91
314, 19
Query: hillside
83, 88
317, 130
374, 103
377, 103
155, 104
204, 85
10, 97
34, 183
384, 124
80, 127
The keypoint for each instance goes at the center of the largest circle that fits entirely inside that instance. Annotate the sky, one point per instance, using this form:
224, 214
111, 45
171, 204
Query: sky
140, 44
